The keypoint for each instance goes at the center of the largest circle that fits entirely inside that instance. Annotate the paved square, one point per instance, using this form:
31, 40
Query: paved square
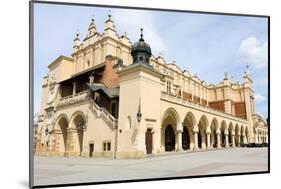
56, 170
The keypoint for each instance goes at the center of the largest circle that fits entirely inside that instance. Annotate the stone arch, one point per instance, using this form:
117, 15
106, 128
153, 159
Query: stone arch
170, 123
231, 134
75, 114
203, 125
214, 129
237, 134
61, 116
61, 126
190, 124
223, 134
77, 125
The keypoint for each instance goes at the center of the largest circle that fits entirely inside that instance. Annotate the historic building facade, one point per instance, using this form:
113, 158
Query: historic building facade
113, 98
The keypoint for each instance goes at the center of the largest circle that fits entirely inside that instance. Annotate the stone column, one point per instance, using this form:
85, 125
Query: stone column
244, 139
208, 140
256, 138
52, 142
218, 140
238, 139
226, 140
233, 139
208, 135
179, 139
69, 142
74, 88
195, 136
195, 133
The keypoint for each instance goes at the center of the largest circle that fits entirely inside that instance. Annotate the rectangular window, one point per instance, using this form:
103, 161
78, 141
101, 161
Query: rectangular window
106, 146
168, 87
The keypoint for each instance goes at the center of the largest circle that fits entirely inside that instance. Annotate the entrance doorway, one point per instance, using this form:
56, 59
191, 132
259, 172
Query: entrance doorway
223, 139
169, 139
148, 141
91, 150
199, 139
185, 139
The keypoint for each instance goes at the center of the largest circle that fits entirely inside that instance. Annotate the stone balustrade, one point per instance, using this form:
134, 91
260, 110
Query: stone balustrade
104, 114
180, 101
73, 99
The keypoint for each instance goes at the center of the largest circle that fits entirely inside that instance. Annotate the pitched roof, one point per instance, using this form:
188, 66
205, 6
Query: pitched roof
110, 92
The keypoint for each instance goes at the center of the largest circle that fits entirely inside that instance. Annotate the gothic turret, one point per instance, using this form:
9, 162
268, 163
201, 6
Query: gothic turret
109, 24
77, 42
92, 28
247, 78
141, 51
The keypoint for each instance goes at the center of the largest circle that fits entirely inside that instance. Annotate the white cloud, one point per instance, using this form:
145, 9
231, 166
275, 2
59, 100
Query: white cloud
259, 98
253, 51
131, 21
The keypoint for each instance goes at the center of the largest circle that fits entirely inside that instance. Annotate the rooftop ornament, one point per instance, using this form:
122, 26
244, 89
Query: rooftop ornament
77, 36
141, 51
139, 114
109, 15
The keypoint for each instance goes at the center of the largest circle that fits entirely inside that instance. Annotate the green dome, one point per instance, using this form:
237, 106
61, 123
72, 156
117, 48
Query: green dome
141, 47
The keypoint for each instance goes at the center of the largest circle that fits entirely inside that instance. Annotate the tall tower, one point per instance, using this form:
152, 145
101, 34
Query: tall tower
249, 101
138, 107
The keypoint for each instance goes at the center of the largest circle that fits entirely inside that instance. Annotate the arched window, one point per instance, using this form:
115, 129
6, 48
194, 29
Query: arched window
128, 124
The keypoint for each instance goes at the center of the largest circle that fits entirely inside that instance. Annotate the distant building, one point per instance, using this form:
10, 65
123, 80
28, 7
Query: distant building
35, 128
115, 99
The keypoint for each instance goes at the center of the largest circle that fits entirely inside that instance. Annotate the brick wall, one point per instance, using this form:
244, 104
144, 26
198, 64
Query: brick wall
217, 105
240, 109
186, 96
110, 77
204, 102
196, 99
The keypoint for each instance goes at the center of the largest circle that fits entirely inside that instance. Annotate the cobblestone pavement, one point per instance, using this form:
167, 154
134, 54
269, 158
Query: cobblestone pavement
60, 170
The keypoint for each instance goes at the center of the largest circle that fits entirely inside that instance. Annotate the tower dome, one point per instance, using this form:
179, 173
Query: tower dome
141, 51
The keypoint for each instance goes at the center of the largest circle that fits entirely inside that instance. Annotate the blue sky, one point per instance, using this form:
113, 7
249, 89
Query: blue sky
206, 45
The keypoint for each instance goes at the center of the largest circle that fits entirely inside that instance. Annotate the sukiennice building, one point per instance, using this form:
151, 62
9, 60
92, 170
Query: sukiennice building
112, 98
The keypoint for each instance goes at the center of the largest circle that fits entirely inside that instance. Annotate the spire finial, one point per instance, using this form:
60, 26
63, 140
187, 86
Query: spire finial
225, 75
247, 70
109, 14
141, 35
77, 35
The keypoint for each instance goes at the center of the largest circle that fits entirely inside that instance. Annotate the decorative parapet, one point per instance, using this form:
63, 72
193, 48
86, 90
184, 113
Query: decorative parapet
40, 118
73, 99
84, 96
180, 101
259, 122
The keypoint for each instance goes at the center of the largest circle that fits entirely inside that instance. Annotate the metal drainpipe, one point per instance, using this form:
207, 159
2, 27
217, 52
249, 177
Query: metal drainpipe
116, 141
